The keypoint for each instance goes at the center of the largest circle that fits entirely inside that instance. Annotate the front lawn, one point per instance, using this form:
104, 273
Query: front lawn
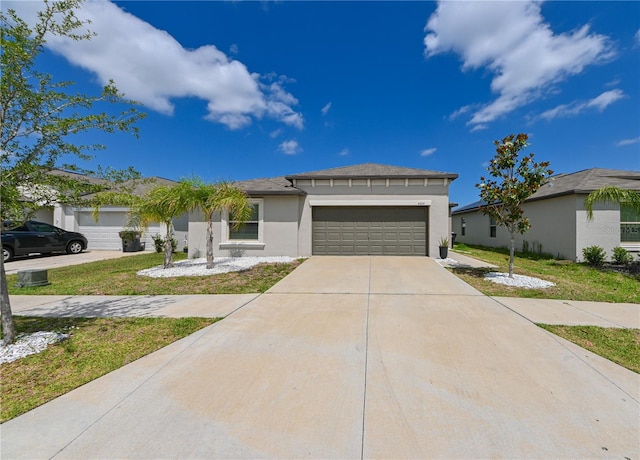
118, 277
96, 346
622, 346
574, 281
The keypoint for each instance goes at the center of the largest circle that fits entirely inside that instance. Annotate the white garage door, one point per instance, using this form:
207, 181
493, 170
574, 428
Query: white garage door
102, 234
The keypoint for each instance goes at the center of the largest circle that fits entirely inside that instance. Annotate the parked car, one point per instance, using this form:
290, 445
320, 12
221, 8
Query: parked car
39, 237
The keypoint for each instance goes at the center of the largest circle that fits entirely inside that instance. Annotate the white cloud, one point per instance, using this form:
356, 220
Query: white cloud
638, 37
344, 152
233, 49
275, 133
290, 147
428, 152
512, 41
598, 103
152, 67
325, 109
624, 142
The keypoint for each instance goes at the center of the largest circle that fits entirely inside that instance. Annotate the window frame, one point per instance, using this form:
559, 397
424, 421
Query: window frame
226, 233
493, 227
625, 222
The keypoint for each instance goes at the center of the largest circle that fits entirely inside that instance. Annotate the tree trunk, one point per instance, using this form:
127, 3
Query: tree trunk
210, 242
168, 250
512, 253
8, 327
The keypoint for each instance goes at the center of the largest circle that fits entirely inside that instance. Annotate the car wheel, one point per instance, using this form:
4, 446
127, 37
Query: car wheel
74, 247
7, 254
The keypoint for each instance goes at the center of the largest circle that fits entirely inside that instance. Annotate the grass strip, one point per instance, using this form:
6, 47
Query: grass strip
574, 281
622, 346
96, 346
118, 277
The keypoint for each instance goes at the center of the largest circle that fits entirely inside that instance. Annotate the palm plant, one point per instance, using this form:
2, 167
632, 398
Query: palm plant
221, 197
162, 204
612, 194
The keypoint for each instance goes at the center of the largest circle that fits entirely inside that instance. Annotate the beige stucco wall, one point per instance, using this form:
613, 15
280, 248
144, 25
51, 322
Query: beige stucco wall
603, 230
287, 220
559, 225
377, 193
279, 231
552, 228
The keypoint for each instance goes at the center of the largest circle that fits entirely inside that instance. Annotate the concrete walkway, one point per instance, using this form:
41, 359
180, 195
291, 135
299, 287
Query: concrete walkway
350, 357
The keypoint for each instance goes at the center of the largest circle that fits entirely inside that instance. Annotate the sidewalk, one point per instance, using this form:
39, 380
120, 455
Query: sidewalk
172, 306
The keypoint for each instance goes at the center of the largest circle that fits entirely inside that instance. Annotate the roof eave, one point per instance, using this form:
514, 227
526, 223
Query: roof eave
375, 176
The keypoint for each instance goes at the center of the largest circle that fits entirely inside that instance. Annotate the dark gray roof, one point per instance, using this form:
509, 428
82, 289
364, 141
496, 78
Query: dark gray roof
372, 170
586, 181
269, 186
581, 182
469, 207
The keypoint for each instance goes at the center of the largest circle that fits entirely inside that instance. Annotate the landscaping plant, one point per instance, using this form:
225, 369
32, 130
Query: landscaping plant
513, 182
621, 256
594, 255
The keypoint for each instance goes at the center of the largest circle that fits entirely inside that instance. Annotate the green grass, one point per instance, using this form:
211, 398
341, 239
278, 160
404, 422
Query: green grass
574, 281
96, 346
118, 277
622, 346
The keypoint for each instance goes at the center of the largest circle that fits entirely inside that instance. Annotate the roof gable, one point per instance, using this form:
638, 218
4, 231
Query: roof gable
372, 170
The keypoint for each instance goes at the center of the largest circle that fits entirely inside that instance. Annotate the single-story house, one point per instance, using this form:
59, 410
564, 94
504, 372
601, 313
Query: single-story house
103, 234
367, 209
559, 223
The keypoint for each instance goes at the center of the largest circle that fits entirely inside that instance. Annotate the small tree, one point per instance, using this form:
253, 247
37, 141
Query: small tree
514, 182
37, 115
220, 197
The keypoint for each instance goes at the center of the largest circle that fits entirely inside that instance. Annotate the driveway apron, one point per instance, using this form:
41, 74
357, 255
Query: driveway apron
350, 357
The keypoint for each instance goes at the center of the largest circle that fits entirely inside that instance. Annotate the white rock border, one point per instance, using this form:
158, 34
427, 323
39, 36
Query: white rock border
521, 281
29, 344
198, 267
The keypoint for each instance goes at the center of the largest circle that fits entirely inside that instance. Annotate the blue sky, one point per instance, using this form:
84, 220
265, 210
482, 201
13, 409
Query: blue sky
247, 89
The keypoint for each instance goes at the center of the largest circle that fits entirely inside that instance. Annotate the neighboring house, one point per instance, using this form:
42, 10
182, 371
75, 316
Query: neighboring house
103, 234
559, 224
367, 209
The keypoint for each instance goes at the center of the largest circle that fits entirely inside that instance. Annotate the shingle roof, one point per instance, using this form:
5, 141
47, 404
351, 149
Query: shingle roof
586, 181
372, 170
269, 186
580, 182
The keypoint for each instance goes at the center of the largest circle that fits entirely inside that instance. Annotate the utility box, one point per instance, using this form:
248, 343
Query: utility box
27, 278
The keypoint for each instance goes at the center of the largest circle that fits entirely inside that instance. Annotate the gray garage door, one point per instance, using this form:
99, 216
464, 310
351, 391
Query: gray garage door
370, 231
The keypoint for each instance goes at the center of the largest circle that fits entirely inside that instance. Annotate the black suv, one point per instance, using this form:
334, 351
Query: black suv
32, 236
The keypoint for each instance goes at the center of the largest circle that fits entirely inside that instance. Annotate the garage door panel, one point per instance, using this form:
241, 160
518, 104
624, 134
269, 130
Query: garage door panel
370, 230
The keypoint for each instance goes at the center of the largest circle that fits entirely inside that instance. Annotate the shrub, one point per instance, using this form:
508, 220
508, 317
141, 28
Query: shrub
621, 256
158, 242
594, 255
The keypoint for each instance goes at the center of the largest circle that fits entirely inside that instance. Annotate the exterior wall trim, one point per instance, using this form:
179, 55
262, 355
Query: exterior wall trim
369, 203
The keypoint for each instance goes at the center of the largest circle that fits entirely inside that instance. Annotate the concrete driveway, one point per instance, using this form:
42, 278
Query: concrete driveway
46, 261
350, 357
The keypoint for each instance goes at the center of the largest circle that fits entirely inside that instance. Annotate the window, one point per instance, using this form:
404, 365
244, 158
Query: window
492, 227
463, 226
247, 231
42, 227
629, 225
249, 235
